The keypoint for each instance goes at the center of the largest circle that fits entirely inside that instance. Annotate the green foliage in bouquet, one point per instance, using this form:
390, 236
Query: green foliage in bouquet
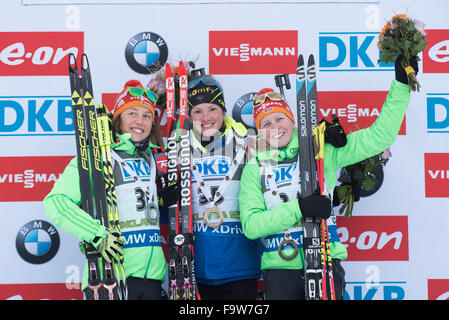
403, 36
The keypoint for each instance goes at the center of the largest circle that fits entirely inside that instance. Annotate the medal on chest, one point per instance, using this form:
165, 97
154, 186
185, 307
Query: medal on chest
213, 216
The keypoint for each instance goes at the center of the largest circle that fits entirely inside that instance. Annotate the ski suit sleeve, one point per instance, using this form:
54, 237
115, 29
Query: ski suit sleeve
62, 207
368, 142
256, 220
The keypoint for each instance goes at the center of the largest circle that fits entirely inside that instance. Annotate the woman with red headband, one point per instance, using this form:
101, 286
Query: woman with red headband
136, 133
227, 263
271, 206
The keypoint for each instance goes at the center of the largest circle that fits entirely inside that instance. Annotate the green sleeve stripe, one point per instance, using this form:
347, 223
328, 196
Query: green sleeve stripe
74, 220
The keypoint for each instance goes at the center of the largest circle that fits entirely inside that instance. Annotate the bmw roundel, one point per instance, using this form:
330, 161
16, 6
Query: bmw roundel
243, 110
37, 242
146, 52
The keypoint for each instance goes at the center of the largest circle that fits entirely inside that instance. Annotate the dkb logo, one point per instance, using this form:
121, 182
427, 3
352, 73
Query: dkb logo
350, 51
438, 112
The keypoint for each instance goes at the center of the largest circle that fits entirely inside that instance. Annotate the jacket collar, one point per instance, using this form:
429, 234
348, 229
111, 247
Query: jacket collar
125, 144
231, 127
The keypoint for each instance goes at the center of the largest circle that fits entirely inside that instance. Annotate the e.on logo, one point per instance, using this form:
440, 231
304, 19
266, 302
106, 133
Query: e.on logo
374, 238
253, 52
436, 54
436, 166
438, 289
355, 109
29, 178
38, 53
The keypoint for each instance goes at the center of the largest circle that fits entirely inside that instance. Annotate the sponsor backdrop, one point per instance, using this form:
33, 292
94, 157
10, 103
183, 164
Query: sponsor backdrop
396, 240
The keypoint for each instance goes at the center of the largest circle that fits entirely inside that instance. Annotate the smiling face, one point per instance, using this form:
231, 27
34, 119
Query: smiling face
138, 121
276, 129
207, 118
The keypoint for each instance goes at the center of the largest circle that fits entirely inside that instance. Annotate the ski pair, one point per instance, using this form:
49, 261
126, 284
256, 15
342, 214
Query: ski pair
317, 256
181, 271
93, 133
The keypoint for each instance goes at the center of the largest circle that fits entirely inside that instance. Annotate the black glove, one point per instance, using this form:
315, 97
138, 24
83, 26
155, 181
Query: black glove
315, 206
334, 133
169, 195
400, 73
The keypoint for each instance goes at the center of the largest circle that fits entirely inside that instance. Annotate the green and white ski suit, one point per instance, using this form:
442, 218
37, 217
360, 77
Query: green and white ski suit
133, 179
262, 212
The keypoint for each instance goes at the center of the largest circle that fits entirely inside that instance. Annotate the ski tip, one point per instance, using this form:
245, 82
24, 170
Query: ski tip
84, 62
182, 69
168, 72
300, 60
311, 60
72, 61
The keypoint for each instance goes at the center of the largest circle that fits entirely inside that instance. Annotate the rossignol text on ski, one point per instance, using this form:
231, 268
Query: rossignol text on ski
182, 282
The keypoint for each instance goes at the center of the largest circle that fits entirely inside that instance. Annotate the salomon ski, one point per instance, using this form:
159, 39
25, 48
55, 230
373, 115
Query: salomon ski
315, 239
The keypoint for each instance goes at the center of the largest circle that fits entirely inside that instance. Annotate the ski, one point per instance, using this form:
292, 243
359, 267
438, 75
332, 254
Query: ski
105, 140
172, 177
101, 285
92, 256
181, 271
315, 231
189, 289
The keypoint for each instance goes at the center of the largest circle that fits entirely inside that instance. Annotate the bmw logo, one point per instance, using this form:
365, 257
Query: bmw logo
37, 242
146, 52
243, 110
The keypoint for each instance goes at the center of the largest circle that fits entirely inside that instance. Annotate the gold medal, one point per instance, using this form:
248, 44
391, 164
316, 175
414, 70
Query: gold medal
213, 217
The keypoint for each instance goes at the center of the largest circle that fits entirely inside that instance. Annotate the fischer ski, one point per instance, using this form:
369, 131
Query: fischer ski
315, 238
182, 281
92, 156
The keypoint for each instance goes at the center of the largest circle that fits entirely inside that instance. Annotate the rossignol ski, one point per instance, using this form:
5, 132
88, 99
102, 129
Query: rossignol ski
93, 161
182, 282
172, 177
315, 238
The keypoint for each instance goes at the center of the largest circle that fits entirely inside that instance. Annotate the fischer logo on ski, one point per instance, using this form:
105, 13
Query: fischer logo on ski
93, 138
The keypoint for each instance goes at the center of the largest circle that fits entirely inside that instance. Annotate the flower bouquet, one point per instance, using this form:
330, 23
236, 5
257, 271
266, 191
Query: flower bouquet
403, 36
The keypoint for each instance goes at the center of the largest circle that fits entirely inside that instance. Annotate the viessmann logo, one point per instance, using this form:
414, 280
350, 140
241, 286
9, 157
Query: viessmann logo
29, 178
253, 52
355, 109
436, 166
38, 53
375, 238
